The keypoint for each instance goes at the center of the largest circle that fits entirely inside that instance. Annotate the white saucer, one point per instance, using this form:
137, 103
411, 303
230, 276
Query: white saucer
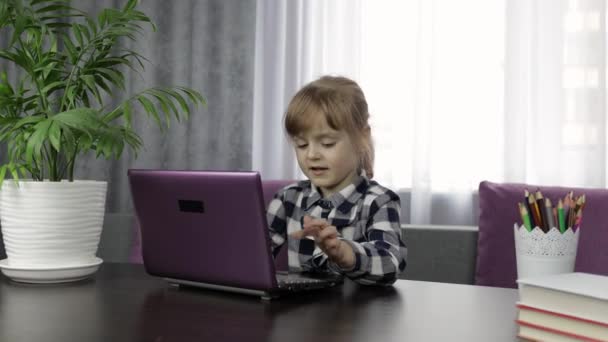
49, 275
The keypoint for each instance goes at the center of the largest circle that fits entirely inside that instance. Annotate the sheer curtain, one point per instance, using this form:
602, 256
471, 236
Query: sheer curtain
432, 71
555, 109
296, 42
459, 92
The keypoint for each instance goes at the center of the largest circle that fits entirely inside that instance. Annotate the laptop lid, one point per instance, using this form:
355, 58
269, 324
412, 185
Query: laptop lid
204, 227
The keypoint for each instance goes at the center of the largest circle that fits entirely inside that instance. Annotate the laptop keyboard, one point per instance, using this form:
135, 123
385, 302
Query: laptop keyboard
295, 281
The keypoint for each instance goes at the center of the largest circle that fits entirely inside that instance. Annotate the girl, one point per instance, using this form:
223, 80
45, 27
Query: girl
338, 220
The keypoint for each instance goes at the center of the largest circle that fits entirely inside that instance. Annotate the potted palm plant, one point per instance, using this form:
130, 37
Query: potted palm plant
70, 66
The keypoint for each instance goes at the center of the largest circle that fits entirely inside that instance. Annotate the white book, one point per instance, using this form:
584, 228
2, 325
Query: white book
542, 334
582, 295
561, 323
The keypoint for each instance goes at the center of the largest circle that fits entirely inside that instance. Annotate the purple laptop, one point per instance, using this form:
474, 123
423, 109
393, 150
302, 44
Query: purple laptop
208, 229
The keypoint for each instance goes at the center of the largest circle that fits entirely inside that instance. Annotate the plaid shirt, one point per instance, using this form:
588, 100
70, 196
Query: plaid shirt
366, 216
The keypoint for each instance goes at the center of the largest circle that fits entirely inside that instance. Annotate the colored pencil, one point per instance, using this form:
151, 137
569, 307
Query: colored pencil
540, 202
577, 222
550, 223
561, 216
535, 213
525, 217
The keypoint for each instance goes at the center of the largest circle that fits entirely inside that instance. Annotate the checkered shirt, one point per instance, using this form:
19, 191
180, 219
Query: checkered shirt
366, 216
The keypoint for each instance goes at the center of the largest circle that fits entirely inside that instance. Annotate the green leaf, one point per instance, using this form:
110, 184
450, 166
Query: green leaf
70, 96
180, 99
130, 5
55, 136
85, 142
72, 53
36, 2
81, 119
2, 174
194, 96
13, 169
90, 82
133, 140
84, 30
92, 25
150, 110
101, 18
54, 8
165, 107
111, 61
20, 21
69, 141
51, 87
58, 25
36, 140
101, 83
128, 114
46, 69
29, 120
8, 56
77, 35
114, 77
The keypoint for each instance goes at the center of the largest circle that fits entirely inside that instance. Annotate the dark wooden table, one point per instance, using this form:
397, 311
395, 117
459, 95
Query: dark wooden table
123, 303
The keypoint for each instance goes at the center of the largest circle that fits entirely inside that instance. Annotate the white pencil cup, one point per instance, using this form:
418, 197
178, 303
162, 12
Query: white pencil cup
540, 253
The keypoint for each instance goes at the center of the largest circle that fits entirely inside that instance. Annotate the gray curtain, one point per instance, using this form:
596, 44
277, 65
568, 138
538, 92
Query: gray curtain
207, 45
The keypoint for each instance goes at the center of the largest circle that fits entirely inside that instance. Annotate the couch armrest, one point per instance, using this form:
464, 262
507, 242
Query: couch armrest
440, 253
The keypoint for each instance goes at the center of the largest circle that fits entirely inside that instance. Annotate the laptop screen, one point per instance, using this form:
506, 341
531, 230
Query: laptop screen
204, 226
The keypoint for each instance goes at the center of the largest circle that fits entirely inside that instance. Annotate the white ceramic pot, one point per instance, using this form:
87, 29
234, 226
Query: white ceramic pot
51, 224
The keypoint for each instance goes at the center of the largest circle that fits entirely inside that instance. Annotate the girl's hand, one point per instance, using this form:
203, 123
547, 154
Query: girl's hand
326, 237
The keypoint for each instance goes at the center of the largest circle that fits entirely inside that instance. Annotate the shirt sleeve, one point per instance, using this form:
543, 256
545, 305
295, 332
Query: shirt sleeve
379, 259
277, 223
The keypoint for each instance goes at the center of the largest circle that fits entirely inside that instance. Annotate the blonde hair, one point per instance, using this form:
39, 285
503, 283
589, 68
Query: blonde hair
342, 102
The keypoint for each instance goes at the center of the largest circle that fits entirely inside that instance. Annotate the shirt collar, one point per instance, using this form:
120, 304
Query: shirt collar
344, 199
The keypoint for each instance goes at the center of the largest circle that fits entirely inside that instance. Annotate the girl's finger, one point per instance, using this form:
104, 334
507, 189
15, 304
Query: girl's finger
329, 232
312, 231
309, 221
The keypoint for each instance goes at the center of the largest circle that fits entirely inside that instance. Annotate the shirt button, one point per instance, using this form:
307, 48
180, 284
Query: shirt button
325, 204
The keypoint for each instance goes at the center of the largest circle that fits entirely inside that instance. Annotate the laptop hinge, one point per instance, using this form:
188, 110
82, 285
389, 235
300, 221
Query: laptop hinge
263, 294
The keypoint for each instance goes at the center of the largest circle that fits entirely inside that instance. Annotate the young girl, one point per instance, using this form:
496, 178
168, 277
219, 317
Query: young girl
338, 220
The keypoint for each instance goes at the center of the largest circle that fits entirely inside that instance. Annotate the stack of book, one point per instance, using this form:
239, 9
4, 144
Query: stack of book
563, 307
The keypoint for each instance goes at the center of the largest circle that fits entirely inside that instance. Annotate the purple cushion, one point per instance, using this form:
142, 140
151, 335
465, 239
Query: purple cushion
498, 212
269, 188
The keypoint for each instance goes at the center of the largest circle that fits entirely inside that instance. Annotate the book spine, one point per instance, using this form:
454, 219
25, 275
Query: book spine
560, 314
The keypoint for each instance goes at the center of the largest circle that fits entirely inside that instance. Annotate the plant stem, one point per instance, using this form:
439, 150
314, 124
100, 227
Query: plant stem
49, 162
72, 163
53, 177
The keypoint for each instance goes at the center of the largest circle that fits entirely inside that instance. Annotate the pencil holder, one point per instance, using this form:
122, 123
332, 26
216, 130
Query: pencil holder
539, 253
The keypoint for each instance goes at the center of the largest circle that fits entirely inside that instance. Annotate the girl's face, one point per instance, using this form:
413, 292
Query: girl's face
326, 156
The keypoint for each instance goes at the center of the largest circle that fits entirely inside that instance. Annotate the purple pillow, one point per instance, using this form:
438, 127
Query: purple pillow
498, 212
